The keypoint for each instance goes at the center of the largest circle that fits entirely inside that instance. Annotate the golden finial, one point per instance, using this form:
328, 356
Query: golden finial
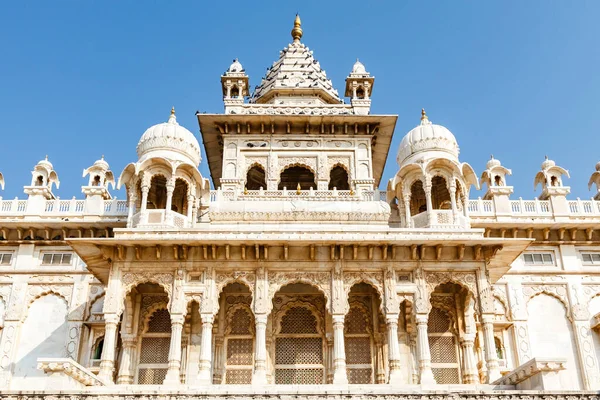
297, 31
424, 115
173, 111
298, 188
245, 190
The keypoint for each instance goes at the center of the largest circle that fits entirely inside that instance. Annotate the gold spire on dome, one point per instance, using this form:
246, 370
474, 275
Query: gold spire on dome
173, 111
297, 31
423, 115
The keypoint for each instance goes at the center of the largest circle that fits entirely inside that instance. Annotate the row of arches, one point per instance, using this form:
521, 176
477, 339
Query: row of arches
297, 175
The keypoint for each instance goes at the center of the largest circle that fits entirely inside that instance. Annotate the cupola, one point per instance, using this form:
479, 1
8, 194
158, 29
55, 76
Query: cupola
43, 177
495, 178
100, 177
359, 86
425, 141
171, 141
550, 178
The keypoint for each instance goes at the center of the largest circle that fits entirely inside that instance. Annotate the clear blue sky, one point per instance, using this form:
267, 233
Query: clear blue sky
517, 79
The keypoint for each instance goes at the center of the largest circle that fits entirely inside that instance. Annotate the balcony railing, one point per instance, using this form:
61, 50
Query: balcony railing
445, 219
160, 219
62, 207
308, 195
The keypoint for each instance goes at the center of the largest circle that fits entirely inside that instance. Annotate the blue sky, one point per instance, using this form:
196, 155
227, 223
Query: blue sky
517, 79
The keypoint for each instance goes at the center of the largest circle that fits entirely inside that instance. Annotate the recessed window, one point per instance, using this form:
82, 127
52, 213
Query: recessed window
5, 258
538, 259
56, 259
591, 258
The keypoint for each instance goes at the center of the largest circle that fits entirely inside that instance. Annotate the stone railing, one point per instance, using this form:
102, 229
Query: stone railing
537, 374
535, 207
62, 207
444, 219
64, 373
160, 219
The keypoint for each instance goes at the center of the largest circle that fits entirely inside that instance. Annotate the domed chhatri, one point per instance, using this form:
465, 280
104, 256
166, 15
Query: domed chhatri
427, 140
235, 66
169, 140
358, 68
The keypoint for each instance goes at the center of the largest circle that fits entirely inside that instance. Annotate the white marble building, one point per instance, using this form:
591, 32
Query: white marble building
297, 270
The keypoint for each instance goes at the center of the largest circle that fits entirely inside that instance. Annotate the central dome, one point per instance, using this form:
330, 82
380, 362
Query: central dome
169, 140
427, 140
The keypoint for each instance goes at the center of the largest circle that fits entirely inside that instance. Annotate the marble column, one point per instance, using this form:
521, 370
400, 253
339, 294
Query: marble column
259, 376
393, 349
143, 214
407, 216
427, 189
340, 375
107, 362
423, 353
491, 357
206, 350
469, 367
125, 376
173, 373
453, 203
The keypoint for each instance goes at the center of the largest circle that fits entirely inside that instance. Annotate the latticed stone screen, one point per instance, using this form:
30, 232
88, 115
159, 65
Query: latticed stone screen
151, 376
239, 348
358, 344
443, 347
299, 349
154, 350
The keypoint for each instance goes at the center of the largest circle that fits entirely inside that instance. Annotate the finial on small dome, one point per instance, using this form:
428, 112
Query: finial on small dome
546, 157
172, 117
491, 157
173, 110
297, 31
46, 157
424, 115
102, 158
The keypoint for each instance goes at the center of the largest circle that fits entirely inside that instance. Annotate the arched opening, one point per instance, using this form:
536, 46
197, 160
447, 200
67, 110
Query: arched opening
498, 180
43, 334
157, 195
338, 178
551, 336
234, 359
440, 196
446, 325
179, 203
553, 181
418, 203
360, 92
256, 178
235, 92
362, 323
39, 181
296, 175
298, 329
96, 181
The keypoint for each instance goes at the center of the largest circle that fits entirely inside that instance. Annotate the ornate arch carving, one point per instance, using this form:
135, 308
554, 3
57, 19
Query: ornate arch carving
254, 161
299, 303
371, 279
468, 280
131, 280
318, 280
147, 315
35, 292
342, 161
365, 314
557, 291
306, 162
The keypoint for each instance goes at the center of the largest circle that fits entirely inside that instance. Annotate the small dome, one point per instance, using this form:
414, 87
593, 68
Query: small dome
548, 163
358, 68
235, 66
169, 140
46, 164
430, 139
493, 163
101, 163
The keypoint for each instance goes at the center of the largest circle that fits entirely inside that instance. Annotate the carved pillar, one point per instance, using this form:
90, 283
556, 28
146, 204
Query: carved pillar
393, 349
218, 360
380, 366
491, 356
453, 202
580, 316
206, 349
339, 352
125, 376
329, 357
143, 214
520, 329
469, 367
423, 353
172, 377
407, 216
260, 351
427, 189
131, 209
107, 362
190, 208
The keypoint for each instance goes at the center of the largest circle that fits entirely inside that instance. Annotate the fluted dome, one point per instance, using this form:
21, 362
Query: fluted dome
427, 139
493, 163
169, 140
236, 66
101, 163
548, 163
46, 164
358, 68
